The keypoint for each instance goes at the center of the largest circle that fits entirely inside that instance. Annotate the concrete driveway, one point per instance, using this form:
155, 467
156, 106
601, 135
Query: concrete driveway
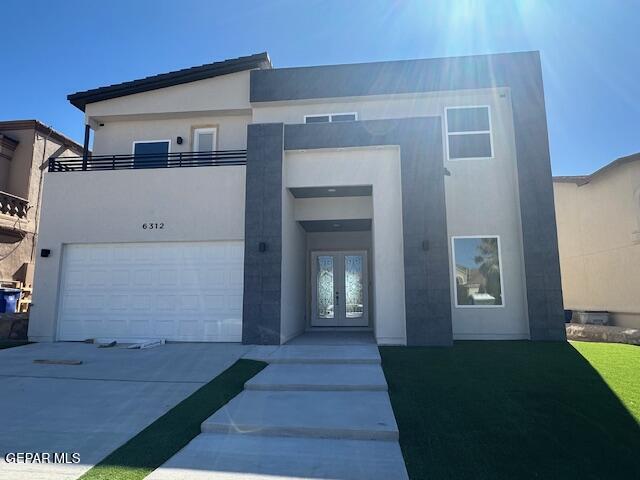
94, 407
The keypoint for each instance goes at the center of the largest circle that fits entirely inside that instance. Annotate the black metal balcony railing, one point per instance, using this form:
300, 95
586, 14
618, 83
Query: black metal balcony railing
12, 205
149, 160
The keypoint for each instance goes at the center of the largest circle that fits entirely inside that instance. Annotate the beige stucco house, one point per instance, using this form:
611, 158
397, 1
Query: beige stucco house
598, 219
25, 148
235, 201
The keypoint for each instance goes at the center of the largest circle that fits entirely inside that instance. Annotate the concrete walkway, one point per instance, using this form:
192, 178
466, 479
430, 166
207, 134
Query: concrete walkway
319, 410
94, 407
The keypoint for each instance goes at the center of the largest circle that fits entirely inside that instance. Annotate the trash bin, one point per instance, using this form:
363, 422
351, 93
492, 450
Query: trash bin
9, 298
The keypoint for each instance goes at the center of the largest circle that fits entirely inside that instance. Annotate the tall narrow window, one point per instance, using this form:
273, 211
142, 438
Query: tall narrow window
204, 139
469, 132
150, 154
478, 271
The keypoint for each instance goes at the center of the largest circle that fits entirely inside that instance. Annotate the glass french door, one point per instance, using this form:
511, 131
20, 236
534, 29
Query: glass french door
339, 289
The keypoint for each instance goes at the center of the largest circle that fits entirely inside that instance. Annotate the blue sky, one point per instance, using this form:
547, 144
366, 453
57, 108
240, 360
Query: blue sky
589, 52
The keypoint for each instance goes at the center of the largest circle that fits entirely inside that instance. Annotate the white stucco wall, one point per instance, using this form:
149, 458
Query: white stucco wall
116, 137
379, 167
227, 92
377, 107
293, 286
171, 112
111, 206
338, 208
482, 199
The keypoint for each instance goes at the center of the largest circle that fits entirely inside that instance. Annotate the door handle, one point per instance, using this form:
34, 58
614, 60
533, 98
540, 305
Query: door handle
337, 298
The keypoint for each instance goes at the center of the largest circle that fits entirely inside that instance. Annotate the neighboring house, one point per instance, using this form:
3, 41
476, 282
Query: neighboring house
599, 240
340, 196
25, 147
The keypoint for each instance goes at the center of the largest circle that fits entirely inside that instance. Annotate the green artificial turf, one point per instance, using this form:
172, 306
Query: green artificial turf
163, 438
517, 410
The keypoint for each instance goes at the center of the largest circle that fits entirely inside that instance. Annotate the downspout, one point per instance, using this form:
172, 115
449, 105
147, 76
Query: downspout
85, 147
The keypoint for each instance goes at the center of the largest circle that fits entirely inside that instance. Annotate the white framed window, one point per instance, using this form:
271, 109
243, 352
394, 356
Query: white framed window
477, 271
468, 131
331, 117
205, 139
150, 153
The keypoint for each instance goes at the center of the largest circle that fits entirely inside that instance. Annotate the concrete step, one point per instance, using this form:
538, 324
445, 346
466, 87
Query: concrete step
340, 415
310, 377
252, 457
324, 354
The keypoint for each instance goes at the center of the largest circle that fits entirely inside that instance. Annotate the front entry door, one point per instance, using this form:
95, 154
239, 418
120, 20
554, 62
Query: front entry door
339, 289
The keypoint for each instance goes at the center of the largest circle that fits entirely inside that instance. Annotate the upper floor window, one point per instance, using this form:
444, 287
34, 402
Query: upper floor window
331, 117
468, 132
204, 139
150, 153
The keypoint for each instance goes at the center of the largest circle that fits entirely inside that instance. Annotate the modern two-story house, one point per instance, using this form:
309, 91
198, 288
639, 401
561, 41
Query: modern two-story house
235, 202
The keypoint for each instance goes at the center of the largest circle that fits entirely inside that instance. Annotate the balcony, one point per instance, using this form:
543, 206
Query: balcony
92, 163
13, 206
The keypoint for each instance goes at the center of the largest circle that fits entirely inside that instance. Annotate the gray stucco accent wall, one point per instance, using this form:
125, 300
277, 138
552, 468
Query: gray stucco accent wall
263, 224
522, 73
537, 209
426, 271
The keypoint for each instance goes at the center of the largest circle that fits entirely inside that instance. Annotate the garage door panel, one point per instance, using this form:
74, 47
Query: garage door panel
73, 278
143, 278
189, 291
236, 279
119, 302
235, 304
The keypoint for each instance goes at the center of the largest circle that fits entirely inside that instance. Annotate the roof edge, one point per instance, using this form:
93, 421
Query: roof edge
169, 79
584, 179
517, 53
44, 129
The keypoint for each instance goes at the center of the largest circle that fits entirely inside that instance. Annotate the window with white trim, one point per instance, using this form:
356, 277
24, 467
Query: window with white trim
468, 132
478, 271
331, 117
204, 139
151, 153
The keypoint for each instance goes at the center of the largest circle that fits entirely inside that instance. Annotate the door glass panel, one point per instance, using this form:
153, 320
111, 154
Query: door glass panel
325, 286
353, 285
205, 142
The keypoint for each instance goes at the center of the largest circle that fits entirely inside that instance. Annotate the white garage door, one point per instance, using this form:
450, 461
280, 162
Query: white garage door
189, 291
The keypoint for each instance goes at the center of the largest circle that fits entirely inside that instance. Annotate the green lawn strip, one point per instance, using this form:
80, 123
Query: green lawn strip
12, 343
525, 410
619, 366
168, 434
